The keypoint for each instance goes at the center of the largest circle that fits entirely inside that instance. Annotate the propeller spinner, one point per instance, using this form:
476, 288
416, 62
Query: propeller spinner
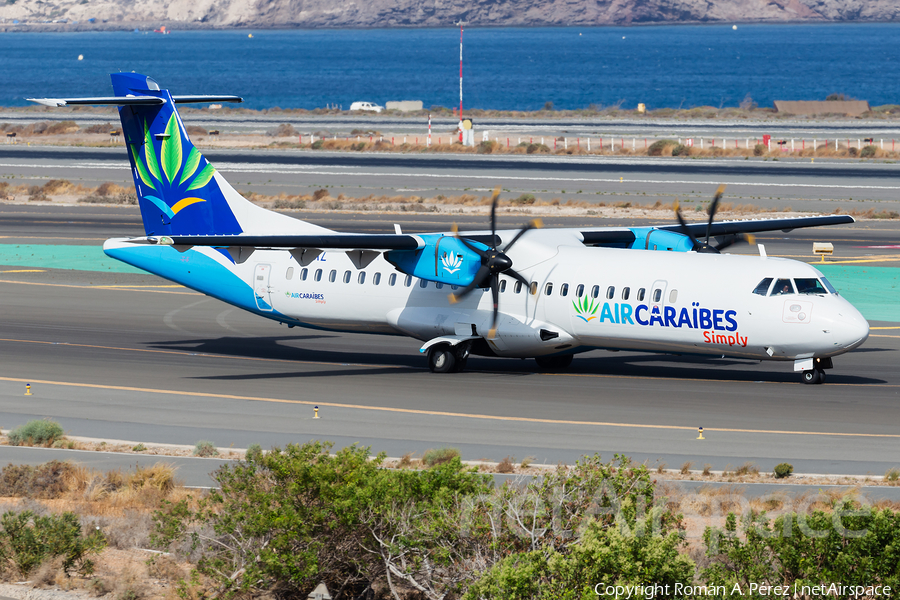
705, 246
494, 262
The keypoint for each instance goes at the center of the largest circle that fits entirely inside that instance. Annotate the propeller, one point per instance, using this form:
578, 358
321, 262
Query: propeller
705, 246
494, 262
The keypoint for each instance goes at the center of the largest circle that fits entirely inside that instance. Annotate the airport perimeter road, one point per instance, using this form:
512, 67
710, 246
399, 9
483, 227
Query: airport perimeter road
646, 126
820, 186
120, 355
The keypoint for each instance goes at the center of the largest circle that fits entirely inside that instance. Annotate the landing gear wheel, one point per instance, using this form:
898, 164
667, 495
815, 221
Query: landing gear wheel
441, 359
553, 363
813, 376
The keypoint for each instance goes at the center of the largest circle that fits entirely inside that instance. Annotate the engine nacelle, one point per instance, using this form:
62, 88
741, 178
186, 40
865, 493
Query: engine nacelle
444, 259
650, 238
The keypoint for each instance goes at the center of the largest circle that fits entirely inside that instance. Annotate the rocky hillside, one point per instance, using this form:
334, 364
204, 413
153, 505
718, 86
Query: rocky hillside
428, 13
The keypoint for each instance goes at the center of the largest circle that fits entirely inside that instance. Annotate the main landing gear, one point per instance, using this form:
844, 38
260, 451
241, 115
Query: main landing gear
447, 359
813, 370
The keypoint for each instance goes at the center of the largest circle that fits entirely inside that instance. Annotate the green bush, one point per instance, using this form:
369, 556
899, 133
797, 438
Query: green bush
27, 540
36, 433
849, 544
254, 452
892, 475
681, 150
852, 151
783, 470
658, 148
605, 555
439, 456
318, 144
289, 519
205, 448
760, 150
868, 152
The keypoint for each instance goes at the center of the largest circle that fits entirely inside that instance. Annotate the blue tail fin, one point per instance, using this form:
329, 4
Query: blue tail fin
177, 188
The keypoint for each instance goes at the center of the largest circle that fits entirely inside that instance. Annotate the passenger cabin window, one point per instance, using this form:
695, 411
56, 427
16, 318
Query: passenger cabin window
303, 273
809, 286
408, 281
503, 286
625, 293
640, 296
376, 278
362, 277
762, 287
783, 287
392, 280
290, 273
423, 284
657, 295
347, 275
564, 289
673, 296
579, 291
534, 287
518, 287
548, 289
332, 276
610, 292
595, 291
439, 285
318, 275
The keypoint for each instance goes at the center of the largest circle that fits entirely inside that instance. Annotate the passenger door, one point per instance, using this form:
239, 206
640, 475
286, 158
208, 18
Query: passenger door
261, 289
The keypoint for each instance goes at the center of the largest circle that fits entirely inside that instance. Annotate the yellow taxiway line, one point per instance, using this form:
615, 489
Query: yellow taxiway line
120, 288
437, 413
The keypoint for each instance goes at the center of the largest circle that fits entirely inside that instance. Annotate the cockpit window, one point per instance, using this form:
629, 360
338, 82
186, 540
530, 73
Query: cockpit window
810, 286
763, 286
829, 287
783, 287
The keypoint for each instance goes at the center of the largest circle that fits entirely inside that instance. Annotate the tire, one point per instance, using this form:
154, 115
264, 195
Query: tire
441, 359
553, 363
812, 376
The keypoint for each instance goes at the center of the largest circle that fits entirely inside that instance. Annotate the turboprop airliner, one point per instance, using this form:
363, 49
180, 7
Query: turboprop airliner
546, 294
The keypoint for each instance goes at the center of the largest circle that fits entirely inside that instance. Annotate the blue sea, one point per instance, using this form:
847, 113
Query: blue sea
504, 68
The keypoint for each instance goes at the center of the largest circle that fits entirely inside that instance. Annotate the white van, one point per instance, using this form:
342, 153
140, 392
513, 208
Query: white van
371, 106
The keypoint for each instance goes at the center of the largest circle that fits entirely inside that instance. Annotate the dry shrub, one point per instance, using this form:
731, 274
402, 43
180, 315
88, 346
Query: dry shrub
439, 456
195, 130
109, 188
283, 130
130, 530
405, 461
99, 128
686, 467
57, 186
505, 465
36, 194
130, 585
164, 567
748, 468
43, 481
321, 193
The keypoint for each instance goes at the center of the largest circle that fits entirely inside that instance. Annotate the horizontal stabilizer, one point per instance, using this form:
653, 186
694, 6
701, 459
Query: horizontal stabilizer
133, 100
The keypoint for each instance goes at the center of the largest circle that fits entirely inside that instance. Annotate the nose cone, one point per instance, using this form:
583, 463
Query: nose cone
850, 328
499, 262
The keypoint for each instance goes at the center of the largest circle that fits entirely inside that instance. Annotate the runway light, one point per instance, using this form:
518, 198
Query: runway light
28, 389
316, 413
700, 437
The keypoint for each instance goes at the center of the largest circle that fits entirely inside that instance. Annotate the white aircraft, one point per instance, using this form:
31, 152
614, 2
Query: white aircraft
655, 289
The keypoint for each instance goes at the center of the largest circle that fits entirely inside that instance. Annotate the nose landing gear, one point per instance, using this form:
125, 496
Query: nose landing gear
813, 370
444, 358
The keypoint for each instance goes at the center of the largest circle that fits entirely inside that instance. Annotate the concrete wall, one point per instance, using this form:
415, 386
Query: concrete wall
404, 105
817, 107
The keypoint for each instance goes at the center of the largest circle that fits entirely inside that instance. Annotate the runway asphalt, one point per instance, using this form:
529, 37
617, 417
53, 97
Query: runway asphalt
122, 355
821, 186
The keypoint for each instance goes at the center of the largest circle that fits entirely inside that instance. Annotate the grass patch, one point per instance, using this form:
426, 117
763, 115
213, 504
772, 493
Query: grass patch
205, 448
439, 456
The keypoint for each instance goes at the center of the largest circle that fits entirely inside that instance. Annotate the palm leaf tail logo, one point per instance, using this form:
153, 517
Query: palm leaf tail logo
141, 168
171, 149
150, 154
